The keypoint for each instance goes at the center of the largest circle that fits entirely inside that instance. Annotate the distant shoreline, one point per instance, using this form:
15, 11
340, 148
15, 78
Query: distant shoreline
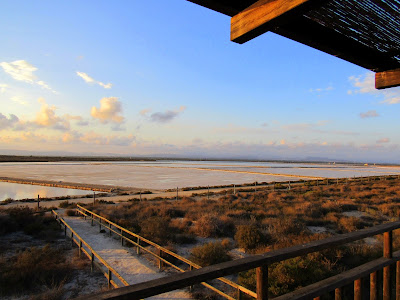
49, 158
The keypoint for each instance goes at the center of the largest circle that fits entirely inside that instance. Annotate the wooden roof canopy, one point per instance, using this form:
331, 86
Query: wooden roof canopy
365, 32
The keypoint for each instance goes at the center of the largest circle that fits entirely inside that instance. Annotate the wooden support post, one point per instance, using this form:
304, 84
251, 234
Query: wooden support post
92, 219
80, 248
261, 16
239, 294
140, 194
177, 193
65, 230
234, 189
110, 229
138, 248
122, 238
94, 197
373, 289
357, 289
338, 294
99, 225
387, 253
337, 181
387, 79
92, 262
208, 193
398, 280
38, 202
109, 278
255, 187
262, 283
289, 186
160, 262
191, 269
72, 239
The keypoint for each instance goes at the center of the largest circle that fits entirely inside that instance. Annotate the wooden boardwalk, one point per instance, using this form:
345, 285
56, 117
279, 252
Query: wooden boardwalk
133, 268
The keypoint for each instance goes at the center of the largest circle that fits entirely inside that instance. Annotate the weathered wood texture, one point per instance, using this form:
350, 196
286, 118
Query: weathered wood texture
262, 16
387, 79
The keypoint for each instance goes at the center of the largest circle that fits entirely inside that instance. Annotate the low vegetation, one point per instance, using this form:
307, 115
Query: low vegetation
261, 221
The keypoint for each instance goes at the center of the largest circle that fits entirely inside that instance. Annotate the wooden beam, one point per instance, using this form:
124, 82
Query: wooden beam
263, 15
387, 79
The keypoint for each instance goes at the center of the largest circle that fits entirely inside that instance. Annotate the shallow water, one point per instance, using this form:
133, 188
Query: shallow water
22, 191
172, 174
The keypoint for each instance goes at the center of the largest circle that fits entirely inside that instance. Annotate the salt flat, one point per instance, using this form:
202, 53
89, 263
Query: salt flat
168, 175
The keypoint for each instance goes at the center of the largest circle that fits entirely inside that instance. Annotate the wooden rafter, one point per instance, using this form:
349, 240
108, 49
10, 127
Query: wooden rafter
263, 15
387, 79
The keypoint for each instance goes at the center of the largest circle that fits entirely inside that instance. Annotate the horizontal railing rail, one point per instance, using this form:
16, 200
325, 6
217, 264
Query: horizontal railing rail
92, 254
139, 245
261, 262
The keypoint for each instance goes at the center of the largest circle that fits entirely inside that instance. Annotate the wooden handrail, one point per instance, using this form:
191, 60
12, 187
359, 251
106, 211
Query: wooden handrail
123, 281
155, 287
190, 263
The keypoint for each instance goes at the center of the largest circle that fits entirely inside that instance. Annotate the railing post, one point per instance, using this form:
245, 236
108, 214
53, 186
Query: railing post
110, 229
109, 278
65, 230
338, 294
357, 289
72, 239
387, 253
191, 269
373, 290
100, 225
80, 248
138, 248
92, 263
239, 294
92, 218
160, 263
122, 239
398, 280
262, 282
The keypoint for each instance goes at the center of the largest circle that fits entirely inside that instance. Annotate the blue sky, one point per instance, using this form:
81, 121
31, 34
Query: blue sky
161, 77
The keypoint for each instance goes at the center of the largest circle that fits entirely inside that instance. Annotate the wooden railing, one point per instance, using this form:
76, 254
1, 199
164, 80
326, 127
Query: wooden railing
140, 243
261, 263
85, 248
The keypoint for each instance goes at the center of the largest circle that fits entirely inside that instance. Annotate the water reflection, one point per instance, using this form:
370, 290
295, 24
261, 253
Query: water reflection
22, 191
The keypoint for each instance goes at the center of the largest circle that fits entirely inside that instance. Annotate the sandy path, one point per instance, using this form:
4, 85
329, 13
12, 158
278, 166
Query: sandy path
134, 269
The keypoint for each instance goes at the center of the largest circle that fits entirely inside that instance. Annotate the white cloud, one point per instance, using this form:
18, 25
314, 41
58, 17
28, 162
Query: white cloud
90, 80
22, 70
320, 90
369, 114
366, 85
46, 117
3, 87
18, 100
167, 116
109, 111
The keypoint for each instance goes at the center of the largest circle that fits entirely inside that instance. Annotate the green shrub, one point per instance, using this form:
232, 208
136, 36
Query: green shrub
209, 254
248, 236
